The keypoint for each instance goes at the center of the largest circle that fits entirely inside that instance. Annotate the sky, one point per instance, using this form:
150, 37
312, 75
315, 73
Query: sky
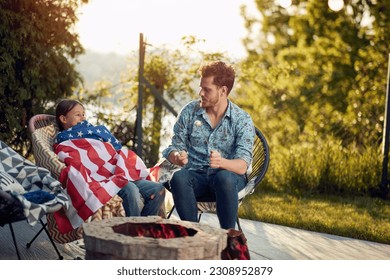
107, 26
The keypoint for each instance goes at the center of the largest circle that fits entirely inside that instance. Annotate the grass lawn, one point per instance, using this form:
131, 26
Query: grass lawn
363, 218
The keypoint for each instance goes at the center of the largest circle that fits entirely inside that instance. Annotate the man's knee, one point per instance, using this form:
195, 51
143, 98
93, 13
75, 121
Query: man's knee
179, 178
224, 176
226, 180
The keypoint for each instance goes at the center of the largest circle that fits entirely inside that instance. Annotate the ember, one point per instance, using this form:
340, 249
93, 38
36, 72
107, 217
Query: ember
154, 230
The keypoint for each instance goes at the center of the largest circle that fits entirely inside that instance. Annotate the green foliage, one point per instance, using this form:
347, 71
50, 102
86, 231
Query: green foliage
37, 52
327, 168
314, 82
322, 70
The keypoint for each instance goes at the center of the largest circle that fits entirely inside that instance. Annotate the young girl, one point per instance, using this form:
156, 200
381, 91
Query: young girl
70, 115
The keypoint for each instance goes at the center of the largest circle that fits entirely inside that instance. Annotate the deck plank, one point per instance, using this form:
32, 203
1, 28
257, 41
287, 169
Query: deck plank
41, 248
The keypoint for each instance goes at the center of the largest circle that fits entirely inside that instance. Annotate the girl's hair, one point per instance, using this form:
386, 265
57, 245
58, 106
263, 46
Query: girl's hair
63, 107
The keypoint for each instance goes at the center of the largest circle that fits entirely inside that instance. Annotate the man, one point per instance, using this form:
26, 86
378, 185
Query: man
212, 142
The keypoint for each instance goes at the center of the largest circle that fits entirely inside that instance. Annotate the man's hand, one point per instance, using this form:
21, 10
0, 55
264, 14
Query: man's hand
180, 158
215, 159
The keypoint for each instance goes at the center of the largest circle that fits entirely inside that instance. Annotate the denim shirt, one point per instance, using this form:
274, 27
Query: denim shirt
233, 136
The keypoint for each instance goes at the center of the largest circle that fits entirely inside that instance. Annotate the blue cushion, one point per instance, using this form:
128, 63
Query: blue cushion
39, 196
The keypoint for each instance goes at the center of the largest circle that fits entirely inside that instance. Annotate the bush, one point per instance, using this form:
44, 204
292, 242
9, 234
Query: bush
325, 168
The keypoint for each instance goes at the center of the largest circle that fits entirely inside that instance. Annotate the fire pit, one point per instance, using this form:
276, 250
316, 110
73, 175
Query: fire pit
152, 238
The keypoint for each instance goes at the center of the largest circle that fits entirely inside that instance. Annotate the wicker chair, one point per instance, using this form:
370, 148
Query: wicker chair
260, 163
43, 129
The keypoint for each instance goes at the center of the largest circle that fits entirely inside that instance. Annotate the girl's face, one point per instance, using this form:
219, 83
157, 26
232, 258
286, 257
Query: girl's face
73, 117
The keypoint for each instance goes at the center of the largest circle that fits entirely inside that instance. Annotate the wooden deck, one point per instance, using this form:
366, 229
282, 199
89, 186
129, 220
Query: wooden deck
265, 241
41, 248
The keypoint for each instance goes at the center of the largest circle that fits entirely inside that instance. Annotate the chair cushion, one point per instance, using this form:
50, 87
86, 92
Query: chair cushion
39, 197
8, 183
43, 140
249, 189
61, 237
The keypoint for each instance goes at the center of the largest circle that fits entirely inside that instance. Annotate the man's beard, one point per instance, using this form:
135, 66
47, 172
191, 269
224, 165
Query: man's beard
209, 102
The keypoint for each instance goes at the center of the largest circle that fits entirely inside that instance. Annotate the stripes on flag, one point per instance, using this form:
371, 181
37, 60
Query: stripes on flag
95, 172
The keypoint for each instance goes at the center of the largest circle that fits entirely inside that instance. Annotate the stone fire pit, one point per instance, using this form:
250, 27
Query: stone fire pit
152, 238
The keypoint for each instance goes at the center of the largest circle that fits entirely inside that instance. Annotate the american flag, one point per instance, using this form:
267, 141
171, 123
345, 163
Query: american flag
94, 173
85, 129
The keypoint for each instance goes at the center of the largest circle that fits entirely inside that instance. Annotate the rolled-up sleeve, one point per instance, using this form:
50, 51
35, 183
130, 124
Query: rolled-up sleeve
244, 139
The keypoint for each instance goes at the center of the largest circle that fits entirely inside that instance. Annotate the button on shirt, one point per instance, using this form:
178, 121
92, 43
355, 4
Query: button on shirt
233, 137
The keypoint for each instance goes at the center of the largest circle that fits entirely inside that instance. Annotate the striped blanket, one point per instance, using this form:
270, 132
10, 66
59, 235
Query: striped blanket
95, 171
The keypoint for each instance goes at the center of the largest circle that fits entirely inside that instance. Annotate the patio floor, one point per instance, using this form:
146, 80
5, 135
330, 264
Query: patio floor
265, 241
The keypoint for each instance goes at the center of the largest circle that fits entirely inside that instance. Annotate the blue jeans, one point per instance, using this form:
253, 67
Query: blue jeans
153, 194
218, 185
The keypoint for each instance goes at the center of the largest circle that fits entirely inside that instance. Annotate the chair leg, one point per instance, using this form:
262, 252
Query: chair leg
170, 212
200, 216
173, 208
14, 239
50, 238
35, 236
238, 224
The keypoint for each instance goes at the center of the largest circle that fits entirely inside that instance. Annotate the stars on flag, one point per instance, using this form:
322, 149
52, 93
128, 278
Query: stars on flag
86, 130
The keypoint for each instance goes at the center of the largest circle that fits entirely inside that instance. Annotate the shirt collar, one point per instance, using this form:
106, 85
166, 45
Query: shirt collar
228, 113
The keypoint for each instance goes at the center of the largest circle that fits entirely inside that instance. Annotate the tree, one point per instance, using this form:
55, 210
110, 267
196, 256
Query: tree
314, 81
38, 48
313, 72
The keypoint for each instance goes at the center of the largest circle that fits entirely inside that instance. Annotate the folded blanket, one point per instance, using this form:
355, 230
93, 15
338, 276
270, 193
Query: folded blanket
94, 173
32, 179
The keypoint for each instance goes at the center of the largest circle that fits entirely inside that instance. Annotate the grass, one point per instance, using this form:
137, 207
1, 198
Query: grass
323, 187
363, 217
